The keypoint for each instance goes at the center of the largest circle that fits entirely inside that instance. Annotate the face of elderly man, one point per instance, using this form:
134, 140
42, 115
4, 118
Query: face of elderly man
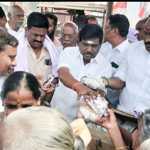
16, 17
69, 36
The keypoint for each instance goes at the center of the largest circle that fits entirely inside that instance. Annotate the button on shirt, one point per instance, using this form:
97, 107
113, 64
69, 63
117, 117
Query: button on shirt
38, 66
115, 54
65, 99
136, 73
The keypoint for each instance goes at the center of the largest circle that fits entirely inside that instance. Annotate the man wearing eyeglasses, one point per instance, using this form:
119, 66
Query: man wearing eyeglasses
76, 62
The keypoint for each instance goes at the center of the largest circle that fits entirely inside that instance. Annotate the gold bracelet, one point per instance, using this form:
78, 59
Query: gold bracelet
122, 148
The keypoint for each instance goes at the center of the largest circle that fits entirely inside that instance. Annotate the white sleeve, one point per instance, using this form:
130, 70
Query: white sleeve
121, 73
65, 58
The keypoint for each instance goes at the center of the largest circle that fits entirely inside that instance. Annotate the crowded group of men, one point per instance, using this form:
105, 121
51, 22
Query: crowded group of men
104, 53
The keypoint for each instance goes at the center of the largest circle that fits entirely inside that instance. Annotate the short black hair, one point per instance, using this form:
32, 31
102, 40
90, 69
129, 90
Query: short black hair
37, 19
53, 17
120, 22
7, 39
14, 80
2, 13
90, 31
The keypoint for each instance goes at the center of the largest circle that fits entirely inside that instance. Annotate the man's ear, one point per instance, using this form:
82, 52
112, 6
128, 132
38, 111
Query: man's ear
115, 30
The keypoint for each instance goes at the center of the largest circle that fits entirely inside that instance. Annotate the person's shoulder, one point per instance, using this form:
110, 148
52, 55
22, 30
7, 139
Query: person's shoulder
135, 46
105, 48
106, 45
101, 58
71, 50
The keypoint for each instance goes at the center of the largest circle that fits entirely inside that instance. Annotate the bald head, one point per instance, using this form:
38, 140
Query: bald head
16, 17
69, 34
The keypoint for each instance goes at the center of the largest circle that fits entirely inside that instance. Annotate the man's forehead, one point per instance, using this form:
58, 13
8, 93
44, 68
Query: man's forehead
68, 29
38, 30
91, 41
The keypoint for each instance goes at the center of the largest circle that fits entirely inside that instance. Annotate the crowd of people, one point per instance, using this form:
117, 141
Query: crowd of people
37, 68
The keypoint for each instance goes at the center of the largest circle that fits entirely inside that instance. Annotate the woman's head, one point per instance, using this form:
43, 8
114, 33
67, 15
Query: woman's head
39, 128
20, 89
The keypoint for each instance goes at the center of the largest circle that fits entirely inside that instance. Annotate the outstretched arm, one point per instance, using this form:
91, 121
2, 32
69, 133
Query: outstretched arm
110, 123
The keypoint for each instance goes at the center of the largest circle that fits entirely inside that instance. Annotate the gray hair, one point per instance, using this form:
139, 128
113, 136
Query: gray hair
72, 25
37, 128
12, 10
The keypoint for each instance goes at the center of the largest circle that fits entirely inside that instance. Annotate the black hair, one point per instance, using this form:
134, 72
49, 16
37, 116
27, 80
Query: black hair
13, 82
2, 13
55, 20
90, 31
37, 19
120, 22
53, 17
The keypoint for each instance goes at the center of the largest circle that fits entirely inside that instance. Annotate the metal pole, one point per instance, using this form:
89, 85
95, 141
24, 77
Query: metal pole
109, 8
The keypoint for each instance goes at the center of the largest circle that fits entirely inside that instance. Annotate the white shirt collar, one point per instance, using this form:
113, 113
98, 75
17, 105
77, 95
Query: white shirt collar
10, 29
122, 45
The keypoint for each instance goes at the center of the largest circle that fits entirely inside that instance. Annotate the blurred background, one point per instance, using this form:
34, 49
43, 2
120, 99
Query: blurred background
76, 11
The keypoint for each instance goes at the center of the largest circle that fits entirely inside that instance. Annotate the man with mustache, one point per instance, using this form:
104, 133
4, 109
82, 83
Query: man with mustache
76, 62
36, 53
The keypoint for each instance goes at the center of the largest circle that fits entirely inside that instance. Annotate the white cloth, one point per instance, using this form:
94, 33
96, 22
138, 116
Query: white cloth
2, 79
136, 74
16, 34
22, 52
65, 99
132, 35
115, 54
37, 66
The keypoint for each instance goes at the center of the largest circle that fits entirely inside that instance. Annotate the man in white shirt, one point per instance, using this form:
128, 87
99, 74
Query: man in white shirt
76, 62
8, 46
36, 53
16, 20
114, 49
134, 75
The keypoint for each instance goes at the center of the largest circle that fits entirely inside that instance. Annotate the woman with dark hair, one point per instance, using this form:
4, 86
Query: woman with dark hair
20, 89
